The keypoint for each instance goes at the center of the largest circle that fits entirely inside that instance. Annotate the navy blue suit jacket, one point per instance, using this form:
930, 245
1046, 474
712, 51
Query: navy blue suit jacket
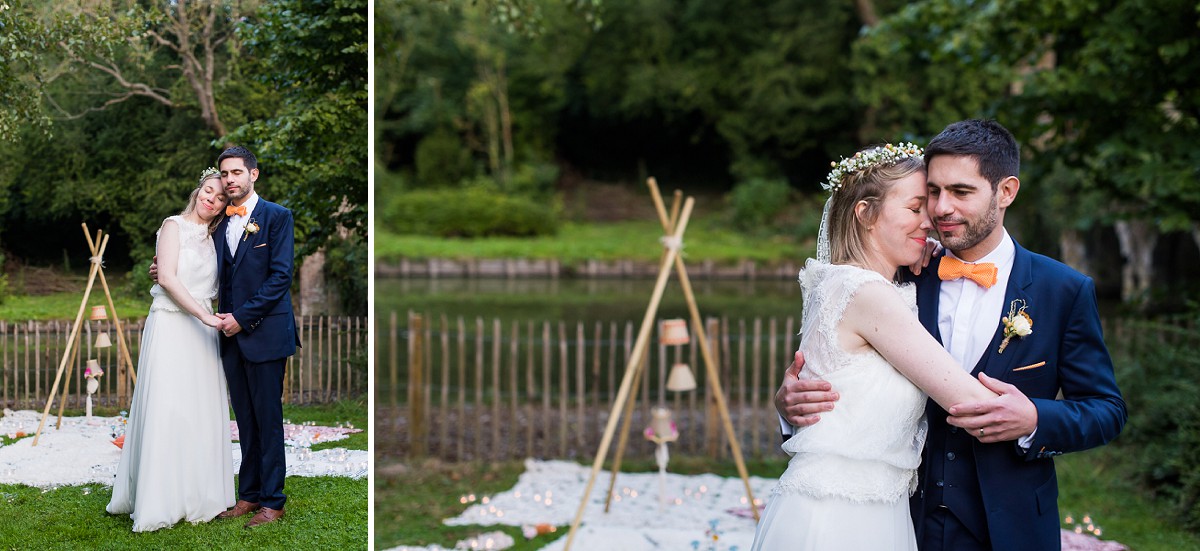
1001, 492
257, 287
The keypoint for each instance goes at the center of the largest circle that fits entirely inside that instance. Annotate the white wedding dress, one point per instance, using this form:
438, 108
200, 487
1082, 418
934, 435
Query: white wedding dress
177, 463
850, 476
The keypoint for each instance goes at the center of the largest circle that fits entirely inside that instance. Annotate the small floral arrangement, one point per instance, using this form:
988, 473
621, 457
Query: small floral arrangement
887, 154
210, 171
91, 373
1016, 324
250, 229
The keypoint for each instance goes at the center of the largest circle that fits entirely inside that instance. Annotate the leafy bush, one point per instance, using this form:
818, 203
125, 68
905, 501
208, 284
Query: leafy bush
757, 203
441, 160
473, 211
534, 179
1156, 365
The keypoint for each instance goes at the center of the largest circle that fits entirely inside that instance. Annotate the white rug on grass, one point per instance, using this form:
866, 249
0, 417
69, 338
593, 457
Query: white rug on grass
704, 512
83, 453
701, 511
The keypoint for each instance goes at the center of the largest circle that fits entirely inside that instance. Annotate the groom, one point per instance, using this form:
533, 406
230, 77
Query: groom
254, 246
987, 474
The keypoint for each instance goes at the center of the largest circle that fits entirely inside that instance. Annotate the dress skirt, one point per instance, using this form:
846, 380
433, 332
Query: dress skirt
177, 462
794, 522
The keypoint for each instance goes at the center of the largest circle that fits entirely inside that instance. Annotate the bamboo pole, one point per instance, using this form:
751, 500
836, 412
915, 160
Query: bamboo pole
74, 334
580, 389
122, 347
415, 382
529, 388
563, 396
514, 365
462, 386
660, 285
698, 328
445, 341
496, 394
394, 362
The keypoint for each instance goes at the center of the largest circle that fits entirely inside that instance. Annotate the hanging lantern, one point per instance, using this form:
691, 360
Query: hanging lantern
102, 341
674, 332
662, 427
93, 369
99, 313
681, 378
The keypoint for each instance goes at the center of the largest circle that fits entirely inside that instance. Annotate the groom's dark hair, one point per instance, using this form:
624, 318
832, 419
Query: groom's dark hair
239, 152
988, 142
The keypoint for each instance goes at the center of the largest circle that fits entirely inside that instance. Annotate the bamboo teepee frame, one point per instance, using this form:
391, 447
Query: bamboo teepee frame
674, 226
124, 359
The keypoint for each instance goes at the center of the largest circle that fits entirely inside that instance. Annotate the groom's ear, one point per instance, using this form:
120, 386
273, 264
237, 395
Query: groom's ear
1007, 191
254, 175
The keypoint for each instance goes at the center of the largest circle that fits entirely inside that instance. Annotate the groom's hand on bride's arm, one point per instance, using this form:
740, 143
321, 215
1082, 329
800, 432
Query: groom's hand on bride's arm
932, 248
1009, 416
800, 402
154, 268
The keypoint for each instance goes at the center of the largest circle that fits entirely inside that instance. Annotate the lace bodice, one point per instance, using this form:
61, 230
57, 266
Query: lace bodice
197, 268
869, 446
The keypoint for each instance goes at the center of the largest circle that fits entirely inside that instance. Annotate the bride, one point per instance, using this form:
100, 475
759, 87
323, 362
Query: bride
847, 484
176, 463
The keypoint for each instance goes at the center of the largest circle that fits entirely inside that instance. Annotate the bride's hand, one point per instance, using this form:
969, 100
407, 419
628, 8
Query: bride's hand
211, 320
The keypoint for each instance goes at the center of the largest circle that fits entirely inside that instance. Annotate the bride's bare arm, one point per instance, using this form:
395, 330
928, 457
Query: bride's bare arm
878, 316
168, 277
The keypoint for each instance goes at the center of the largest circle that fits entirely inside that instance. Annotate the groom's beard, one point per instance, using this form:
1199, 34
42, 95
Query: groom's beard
973, 231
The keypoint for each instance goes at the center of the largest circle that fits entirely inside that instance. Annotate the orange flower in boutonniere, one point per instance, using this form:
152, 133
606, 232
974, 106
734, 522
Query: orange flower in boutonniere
1016, 324
250, 228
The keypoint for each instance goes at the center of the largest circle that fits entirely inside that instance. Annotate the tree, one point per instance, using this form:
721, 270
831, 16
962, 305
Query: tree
314, 54
175, 54
1102, 94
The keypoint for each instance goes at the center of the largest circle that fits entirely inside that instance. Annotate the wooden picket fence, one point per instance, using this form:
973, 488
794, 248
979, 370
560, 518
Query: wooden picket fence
491, 389
330, 365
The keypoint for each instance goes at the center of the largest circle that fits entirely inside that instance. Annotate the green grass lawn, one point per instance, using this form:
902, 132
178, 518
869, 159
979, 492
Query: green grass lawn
322, 512
65, 305
412, 500
707, 237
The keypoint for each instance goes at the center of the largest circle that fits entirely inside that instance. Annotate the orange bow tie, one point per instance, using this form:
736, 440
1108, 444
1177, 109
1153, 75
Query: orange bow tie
232, 210
983, 273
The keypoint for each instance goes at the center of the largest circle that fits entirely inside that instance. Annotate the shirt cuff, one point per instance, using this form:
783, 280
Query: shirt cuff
1025, 442
786, 428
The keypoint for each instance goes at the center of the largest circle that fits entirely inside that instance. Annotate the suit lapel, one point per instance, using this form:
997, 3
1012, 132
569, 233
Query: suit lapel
248, 239
992, 362
219, 244
929, 289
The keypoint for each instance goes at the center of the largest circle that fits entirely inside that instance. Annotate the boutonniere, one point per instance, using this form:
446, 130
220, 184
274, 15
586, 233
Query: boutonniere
250, 228
1016, 324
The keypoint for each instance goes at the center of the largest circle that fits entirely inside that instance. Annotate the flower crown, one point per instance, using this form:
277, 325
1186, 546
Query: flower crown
883, 155
210, 171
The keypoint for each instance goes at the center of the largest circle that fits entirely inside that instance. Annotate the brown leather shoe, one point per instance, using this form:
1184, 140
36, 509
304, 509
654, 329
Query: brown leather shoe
264, 516
240, 508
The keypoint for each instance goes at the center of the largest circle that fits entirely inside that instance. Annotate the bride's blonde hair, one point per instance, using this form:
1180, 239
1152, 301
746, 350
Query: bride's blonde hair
847, 231
209, 173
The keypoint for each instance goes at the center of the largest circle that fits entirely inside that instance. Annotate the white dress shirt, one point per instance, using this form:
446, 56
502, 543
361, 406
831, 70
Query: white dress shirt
969, 314
237, 224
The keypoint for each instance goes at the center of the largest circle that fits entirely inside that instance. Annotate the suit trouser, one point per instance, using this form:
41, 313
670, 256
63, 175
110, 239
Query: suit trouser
255, 391
942, 531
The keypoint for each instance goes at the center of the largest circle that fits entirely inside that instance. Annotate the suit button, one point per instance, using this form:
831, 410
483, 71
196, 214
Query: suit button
950, 456
941, 484
953, 430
